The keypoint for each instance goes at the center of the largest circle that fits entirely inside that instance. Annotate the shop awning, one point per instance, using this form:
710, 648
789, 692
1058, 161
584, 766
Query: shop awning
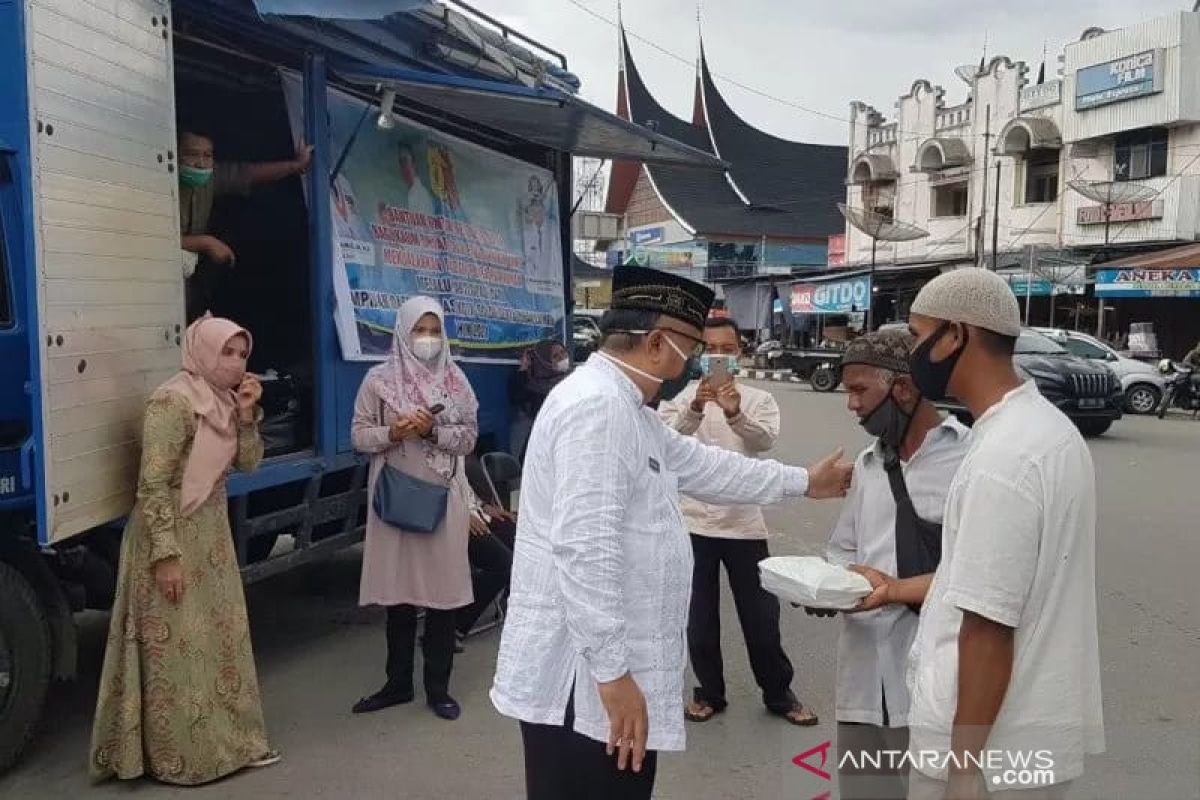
544, 115
1185, 257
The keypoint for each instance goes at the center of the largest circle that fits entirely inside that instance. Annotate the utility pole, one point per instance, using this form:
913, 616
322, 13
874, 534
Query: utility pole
996, 220
1031, 257
979, 228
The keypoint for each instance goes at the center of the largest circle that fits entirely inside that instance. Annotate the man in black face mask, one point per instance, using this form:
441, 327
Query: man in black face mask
874, 529
593, 654
1006, 655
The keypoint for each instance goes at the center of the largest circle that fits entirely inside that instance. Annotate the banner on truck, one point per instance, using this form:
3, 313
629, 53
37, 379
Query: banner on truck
419, 212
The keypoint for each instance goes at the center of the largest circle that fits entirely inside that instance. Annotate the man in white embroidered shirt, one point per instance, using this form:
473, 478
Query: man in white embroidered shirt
1005, 670
876, 527
592, 655
720, 411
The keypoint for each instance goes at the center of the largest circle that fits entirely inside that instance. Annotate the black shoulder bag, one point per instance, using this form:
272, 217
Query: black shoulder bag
918, 541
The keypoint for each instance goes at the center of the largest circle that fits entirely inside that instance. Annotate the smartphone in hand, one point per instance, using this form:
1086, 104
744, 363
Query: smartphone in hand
437, 409
716, 369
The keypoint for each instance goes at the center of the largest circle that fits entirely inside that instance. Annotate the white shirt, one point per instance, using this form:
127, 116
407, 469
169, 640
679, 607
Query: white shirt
874, 645
753, 431
1019, 548
602, 572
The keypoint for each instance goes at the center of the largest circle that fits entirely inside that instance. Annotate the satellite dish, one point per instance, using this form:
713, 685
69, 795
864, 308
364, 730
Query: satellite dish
966, 73
880, 227
1113, 191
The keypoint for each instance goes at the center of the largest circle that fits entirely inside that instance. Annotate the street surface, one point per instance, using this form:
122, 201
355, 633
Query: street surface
317, 653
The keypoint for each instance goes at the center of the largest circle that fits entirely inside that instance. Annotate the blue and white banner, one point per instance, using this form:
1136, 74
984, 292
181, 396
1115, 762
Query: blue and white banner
1137, 282
418, 212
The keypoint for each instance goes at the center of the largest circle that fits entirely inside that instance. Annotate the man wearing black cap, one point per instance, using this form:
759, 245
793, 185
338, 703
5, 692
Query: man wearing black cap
593, 652
894, 507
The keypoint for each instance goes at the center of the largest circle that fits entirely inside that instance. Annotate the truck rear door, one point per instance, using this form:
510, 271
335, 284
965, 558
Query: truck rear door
108, 267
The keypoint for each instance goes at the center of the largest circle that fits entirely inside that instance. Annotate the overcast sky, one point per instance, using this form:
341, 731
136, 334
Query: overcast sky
820, 54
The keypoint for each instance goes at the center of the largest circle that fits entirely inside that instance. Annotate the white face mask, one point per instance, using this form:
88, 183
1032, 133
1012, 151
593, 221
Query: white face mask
427, 348
562, 365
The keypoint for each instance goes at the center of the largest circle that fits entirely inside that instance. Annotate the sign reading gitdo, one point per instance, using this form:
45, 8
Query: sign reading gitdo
840, 297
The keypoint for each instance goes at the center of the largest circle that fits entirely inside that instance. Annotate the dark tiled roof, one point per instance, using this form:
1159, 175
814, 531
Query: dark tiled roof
706, 200
806, 180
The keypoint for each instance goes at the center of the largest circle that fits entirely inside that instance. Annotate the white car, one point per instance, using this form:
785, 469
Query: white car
1143, 384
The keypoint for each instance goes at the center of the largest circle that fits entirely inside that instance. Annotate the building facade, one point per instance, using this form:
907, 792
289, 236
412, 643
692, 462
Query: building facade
1044, 178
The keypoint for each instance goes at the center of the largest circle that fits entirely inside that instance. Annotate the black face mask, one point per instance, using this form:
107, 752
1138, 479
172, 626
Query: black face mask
670, 389
932, 377
888, 421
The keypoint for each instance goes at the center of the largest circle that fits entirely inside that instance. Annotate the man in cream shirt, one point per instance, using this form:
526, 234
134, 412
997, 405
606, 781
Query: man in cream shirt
745, 420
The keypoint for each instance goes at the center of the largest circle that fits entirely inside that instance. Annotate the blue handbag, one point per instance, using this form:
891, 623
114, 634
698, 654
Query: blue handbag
408, 503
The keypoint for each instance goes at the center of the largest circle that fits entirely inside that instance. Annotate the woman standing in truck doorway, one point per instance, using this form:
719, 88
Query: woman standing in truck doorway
415, 416
178, 694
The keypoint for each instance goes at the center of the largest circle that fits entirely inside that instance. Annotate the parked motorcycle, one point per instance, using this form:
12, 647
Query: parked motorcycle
1182, 389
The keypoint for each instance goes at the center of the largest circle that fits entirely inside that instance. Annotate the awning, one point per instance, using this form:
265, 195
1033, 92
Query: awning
338, 9
1023, 134
941, 153
870, 167
544, 115
1185, 257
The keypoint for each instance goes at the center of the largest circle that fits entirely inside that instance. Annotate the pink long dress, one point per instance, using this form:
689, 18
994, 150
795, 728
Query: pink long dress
429, 570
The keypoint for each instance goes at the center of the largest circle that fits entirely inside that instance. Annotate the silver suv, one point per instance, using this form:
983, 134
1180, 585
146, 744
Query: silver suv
1142, 383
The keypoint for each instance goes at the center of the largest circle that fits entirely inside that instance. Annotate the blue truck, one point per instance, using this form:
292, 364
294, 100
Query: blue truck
92, 289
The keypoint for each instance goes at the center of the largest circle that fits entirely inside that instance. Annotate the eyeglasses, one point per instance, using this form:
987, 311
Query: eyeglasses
697, 343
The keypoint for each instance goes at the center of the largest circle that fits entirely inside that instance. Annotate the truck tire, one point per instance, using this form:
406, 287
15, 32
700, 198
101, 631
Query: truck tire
824, 379
25, 658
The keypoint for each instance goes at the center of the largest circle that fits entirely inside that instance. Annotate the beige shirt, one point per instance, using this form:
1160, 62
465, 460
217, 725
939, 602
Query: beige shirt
750, 433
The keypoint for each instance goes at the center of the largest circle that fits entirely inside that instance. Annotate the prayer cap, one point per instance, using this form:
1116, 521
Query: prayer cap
642, 289
884, 349
972, 296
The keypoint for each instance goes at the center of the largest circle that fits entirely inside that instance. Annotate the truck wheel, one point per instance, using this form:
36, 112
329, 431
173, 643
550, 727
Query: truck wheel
823, 380
24, 663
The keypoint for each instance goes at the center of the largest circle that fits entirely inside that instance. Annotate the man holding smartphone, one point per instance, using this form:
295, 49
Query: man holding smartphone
718, 411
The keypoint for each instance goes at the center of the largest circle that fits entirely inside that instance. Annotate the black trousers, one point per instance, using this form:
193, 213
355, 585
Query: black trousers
437, 648
491, 568
561, 764
757, 610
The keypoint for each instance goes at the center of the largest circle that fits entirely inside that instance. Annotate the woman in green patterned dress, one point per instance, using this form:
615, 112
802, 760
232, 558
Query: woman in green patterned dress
178, 694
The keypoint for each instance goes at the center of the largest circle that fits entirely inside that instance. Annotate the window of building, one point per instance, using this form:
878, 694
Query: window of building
1140, 154
880, 197
949, 200
6, 302
1041, 176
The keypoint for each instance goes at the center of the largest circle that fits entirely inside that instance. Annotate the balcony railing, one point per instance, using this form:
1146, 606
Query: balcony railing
953, 117
883, 134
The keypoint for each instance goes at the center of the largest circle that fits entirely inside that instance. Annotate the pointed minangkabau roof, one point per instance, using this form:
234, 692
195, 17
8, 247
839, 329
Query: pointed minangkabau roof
807, 180
710, 203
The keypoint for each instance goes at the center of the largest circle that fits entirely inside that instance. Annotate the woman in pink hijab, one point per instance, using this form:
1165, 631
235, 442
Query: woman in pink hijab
178, 694
394, 422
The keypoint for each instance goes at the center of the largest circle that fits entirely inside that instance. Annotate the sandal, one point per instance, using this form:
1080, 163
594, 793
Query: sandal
804, 721
268, 759
707, 712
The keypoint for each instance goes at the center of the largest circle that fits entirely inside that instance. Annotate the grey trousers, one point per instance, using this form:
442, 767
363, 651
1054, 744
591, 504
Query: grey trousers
922, 787
859, 781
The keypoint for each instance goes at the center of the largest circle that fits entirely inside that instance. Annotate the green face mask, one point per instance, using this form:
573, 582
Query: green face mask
194, 176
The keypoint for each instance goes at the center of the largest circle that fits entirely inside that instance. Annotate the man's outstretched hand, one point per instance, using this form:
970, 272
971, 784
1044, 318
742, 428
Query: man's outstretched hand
829, 477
